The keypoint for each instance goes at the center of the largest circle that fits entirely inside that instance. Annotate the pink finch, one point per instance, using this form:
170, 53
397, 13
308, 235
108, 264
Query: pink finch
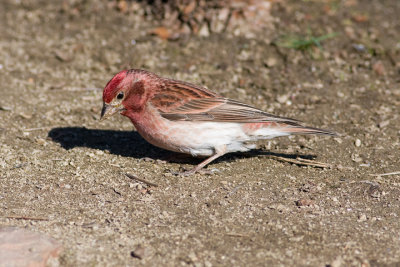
187, 118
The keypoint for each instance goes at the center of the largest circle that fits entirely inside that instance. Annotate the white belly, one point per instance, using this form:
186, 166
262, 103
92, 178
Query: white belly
197, 138
201, 138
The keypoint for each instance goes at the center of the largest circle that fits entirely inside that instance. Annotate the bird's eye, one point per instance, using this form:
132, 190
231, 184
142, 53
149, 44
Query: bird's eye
120, 95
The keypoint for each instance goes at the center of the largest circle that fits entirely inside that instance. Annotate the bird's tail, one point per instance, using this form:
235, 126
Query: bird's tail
307, 130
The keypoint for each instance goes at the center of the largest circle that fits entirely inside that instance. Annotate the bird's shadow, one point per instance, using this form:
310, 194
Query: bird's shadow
131, 144
123, 143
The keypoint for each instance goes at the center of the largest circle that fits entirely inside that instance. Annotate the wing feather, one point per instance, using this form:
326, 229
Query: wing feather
181, 101
222, 110
174, 94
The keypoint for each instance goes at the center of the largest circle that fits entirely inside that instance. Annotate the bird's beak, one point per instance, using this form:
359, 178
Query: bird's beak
108, 110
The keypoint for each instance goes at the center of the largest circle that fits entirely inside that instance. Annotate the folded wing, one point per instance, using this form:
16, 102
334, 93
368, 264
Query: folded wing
220, 109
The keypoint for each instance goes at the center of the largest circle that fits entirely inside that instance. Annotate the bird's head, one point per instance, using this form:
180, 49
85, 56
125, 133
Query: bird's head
127, 92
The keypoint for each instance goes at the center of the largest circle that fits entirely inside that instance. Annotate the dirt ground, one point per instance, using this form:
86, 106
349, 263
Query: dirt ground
63, 171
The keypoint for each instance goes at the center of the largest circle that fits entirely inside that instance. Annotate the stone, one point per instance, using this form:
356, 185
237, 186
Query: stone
21, 247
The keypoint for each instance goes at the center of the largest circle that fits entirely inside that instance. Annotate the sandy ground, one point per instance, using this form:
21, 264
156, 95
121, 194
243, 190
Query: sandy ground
63, 171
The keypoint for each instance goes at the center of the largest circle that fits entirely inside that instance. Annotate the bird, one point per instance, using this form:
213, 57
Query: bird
191, 119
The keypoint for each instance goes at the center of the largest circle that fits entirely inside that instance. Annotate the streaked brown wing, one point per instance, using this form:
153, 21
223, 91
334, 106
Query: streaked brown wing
181, 101
174, 94
220, 109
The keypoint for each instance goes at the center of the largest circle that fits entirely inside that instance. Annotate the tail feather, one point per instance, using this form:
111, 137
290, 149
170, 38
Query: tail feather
307, 130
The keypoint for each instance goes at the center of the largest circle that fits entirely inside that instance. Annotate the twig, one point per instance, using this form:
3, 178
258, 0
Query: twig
386, 174
115, 165
88, 225
5, 108
233, 191
26, 218
17, 166
35, 129
134, 177
237, 235
305, 162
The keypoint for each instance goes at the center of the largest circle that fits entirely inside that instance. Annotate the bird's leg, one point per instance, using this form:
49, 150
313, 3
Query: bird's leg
218, 153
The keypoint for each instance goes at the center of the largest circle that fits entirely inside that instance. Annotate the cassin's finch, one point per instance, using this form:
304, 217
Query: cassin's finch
187, 118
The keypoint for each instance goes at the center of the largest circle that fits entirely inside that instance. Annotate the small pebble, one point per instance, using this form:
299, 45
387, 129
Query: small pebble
356, 158
383, 124
282, 98
339, 140
359, 47
304, 202
362, 218
337, 262
358, 142
138, 252
271, 62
